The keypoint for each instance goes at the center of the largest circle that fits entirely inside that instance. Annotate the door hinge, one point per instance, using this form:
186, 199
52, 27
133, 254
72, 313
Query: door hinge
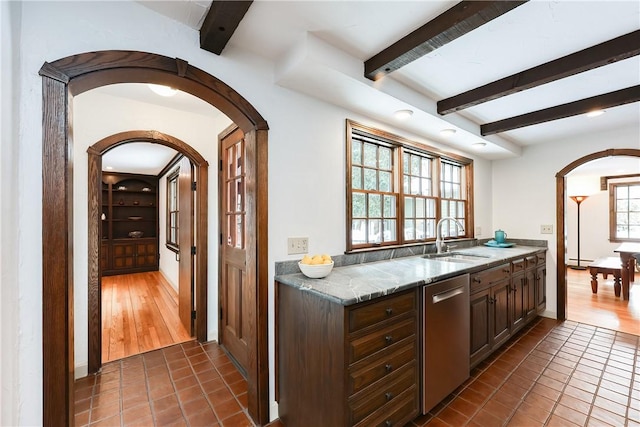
220, 238
193, 250
193, 186
220, 313
193, 314
220, 165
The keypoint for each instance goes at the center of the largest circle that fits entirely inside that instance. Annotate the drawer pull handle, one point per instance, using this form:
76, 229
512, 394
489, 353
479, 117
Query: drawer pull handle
389, 311
388, 423
388, 339
477, 279
388, 396
506, 270
388, 367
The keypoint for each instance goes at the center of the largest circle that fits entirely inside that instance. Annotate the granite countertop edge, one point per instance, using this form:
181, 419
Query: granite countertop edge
352, 284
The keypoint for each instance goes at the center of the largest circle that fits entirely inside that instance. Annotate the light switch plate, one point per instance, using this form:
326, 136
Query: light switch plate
297, 245
546, 229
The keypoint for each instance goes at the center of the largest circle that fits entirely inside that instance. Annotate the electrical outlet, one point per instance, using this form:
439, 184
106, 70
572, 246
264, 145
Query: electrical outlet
478, 231
297, 245
546, 229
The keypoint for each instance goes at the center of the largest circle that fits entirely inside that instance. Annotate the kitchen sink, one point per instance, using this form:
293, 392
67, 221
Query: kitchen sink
456, 257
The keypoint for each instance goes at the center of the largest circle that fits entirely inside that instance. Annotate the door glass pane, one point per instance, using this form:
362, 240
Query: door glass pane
239, 195
239, 234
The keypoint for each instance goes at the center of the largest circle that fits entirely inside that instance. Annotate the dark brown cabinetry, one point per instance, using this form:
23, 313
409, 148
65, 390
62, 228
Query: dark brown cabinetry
344, 366
503, 299
129, 223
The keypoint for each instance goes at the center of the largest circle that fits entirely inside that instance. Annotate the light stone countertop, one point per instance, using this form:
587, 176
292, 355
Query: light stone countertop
362, 282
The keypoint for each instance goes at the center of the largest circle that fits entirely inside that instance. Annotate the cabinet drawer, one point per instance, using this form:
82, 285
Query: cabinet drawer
395, 413
486, 278
517, 265
388, 308
382, 392
379, 365
531, 261
367, 345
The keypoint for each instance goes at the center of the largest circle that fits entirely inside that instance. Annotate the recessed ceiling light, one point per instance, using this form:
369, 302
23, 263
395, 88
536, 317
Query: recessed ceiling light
595, 113
403, 114
447, 132
479, 145
163, 90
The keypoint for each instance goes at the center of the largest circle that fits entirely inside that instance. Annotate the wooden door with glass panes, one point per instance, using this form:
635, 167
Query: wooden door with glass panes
236, 297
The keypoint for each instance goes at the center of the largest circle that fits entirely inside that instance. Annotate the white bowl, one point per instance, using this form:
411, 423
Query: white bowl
316, 271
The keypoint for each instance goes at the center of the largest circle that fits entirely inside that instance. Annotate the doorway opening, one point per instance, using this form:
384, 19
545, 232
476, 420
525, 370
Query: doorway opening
66, 77
145, 294
562, 195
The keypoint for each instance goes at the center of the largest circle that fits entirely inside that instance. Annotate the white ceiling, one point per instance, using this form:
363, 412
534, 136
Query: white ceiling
318, 48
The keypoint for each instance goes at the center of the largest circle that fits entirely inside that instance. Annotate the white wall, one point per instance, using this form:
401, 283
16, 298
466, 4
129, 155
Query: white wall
9, 328
306, 155
524, 190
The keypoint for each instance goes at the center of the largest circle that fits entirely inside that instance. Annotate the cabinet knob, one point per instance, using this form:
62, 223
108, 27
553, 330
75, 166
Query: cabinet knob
388, 423
388, 339
477, 279
506, 270
388, 396
388, 367
389, 311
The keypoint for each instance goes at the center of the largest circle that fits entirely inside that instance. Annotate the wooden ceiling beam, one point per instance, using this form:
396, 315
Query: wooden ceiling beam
607, 100
462, 18
611, 51
220, 23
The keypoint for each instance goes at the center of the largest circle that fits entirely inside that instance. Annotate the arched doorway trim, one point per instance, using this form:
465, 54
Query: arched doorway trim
94, 190
61, 80
561, 192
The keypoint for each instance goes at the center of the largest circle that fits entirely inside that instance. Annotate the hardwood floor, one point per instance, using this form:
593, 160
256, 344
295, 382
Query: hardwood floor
603, 309
139, 313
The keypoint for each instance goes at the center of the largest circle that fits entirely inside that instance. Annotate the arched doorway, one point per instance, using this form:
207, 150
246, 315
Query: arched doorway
94, 186
561, 190
61, 80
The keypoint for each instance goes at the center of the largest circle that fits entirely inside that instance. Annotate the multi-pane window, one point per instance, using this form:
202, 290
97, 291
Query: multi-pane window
374, 216
172, 210
398, 190
452, 197
419, 203
625, 211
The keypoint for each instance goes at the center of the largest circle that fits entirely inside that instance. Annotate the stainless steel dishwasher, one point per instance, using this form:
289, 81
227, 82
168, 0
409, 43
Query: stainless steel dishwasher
445, 344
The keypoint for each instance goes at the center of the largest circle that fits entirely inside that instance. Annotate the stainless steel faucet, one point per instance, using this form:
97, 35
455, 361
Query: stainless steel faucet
439, 239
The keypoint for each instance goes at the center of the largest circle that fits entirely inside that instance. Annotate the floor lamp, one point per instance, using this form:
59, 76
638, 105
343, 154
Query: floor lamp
578, 200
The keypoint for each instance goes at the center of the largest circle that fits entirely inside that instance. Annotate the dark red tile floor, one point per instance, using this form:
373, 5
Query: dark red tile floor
551, 374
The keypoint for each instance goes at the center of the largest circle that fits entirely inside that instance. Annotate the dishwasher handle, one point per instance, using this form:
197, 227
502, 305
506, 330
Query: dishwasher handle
443, 296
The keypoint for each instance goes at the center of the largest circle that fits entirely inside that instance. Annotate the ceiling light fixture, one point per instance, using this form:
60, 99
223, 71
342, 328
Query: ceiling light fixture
479, 145
163, 90
447, 133
595, 113
403, 114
